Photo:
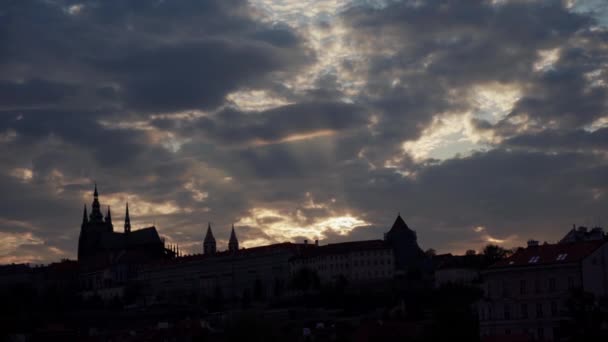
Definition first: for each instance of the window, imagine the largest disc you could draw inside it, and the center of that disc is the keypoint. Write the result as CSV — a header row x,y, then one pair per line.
x,y
522,287
505,288
541,333
507,312
537,286
561,257
551,284
524,311
570,282
534,259
554,309
539,310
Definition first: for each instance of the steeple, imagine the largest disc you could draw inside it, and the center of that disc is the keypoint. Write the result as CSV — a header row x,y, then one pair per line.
x,y
209,246
127,220
85,218
109,216
96,215
233,243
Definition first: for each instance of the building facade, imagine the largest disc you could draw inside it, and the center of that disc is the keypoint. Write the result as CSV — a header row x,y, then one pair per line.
x,y
232,275
357,261
528,292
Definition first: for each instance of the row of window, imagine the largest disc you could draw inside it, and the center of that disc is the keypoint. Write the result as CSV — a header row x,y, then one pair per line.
x,y
538,333
356,263
526,287
524,311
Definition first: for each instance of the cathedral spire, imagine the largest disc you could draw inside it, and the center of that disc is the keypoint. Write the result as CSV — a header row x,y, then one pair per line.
x,y
109,216
96,215
233,243
209,246
85,218
127,220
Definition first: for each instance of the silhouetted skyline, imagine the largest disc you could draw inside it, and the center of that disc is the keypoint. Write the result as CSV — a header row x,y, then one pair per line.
x,y
479,121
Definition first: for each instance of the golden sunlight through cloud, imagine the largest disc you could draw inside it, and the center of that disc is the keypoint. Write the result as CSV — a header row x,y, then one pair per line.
x,y
286,226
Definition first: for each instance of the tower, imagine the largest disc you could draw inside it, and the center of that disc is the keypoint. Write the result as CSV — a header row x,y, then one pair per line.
x,y
93,227
127,220
85,218
209,243
233,243
404,242
108,219
96,216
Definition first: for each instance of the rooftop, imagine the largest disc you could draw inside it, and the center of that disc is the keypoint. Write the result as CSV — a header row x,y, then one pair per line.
x,y
546,254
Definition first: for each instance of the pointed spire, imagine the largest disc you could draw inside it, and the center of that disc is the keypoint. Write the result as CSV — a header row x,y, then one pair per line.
x,y
209,246
233,243
109,216
178,250
96,215
85,218
127,220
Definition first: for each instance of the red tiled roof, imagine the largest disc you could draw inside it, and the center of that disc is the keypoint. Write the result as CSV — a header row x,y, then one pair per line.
x,y
549,254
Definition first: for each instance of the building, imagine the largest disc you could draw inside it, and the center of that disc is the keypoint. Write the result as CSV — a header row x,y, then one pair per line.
x,y
461,270
409,257
232,275
582,234
109,261
356,262
98,238
527,293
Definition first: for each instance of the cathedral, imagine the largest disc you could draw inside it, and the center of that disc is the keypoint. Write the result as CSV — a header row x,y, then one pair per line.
x,y
99,240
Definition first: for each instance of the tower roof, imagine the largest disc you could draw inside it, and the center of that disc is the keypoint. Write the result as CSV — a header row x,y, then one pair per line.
x,y
85,218
127,220
209,236
96,215
233,235
109,216
399,224
400,228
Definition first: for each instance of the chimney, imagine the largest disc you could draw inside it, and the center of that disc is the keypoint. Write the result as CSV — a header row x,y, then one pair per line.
x,y
306,242
316,242
532,243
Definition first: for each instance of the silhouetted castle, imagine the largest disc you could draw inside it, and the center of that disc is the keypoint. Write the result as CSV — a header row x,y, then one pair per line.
x,y
98,238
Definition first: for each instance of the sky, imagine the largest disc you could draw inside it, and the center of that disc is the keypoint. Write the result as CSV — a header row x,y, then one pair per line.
x,y
478,121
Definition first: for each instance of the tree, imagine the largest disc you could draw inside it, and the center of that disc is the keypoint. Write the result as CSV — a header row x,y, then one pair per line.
x,y
493,253
470,252
430,252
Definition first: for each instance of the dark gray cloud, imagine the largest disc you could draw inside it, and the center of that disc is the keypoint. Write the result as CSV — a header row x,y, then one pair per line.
x,y
134,95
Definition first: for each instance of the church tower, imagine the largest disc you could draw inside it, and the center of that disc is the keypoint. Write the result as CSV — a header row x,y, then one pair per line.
x,y
209,243
127,220
93,226
233,244
96,215
109,219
